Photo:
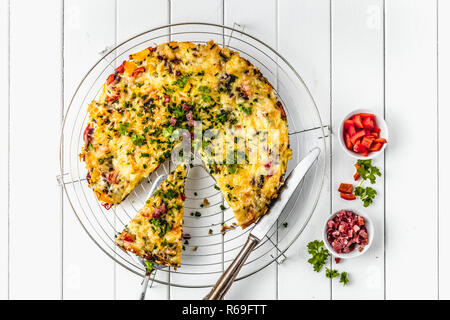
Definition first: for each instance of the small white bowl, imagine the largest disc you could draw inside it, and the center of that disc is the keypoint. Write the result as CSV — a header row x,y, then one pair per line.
x,y
381,123
355,252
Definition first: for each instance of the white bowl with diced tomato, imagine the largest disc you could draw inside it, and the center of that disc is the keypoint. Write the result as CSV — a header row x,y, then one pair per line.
x,y
363,134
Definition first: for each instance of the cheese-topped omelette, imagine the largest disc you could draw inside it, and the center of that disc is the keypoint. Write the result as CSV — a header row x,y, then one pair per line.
x,y
155,233
179,85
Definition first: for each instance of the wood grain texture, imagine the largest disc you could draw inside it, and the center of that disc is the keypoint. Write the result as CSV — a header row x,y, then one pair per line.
x,y
88,272
131,22
411,102
310,56
262,285
357,83
444,152
35,215
4,140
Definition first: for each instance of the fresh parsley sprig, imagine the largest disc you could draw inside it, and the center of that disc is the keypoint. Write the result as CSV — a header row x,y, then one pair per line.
x,y
366,195
319,256
367,171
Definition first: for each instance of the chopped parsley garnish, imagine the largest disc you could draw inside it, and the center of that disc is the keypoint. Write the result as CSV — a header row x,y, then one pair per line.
x,y
344,278
331,273
181,82
138,139
246,110
149,266
123,128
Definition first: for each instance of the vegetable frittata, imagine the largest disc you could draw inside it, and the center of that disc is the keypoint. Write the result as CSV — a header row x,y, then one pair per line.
x,y
155,232
179,85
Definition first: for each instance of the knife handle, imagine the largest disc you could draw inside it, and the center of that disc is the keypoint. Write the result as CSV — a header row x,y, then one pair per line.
x,y
226,280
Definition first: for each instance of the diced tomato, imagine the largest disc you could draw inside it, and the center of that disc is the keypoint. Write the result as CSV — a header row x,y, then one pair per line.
x,y
345,188
376,146
357,121
348,123
151,49
347,196
365,154
110,79
368,123
137,72
121,68
348,142
357,135
367,142
356,176
351,131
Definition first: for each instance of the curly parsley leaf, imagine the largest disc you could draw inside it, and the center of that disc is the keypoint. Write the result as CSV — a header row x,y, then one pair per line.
x,y
366,195
319,254
331,273
367,171
344,278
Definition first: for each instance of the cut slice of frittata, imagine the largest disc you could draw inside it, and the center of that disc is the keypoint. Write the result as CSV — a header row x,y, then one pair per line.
x,y
155,233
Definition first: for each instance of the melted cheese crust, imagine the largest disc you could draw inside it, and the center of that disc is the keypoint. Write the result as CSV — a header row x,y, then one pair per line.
x,y
160,88
155,235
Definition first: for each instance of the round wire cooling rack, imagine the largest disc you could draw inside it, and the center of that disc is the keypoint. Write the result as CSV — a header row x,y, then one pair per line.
x,y
211,238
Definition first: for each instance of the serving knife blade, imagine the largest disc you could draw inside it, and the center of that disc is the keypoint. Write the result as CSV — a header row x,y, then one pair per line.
x,y
266,222
263,225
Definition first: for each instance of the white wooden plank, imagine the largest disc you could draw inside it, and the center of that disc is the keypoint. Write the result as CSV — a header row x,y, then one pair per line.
x,y
132,19
262,285
35,125
4,132
198,11
444,153
309,53
357,83
411,211
89,28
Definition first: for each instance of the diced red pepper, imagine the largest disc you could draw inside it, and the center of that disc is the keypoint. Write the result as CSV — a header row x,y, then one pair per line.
x,y
367,142
351,131
121,68
127,237
367,115
137,72
376,129
359,148
368,123
380,140
348,142
376,147
348,123
357,136
110,79
347,196
345,188
357,121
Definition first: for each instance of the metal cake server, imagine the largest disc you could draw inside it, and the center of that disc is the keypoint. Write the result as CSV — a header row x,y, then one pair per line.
x,y
262,227
156,266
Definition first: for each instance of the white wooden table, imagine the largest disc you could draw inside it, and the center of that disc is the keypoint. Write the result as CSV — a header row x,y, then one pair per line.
x,y
391,56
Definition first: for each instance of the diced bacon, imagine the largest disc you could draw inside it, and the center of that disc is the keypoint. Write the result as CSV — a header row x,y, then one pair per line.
x,y
166,98
346,231
106,205
127,237
173,121
186,107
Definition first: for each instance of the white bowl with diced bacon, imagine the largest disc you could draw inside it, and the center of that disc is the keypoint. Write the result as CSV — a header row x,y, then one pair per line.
x,y
348,234
363,134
